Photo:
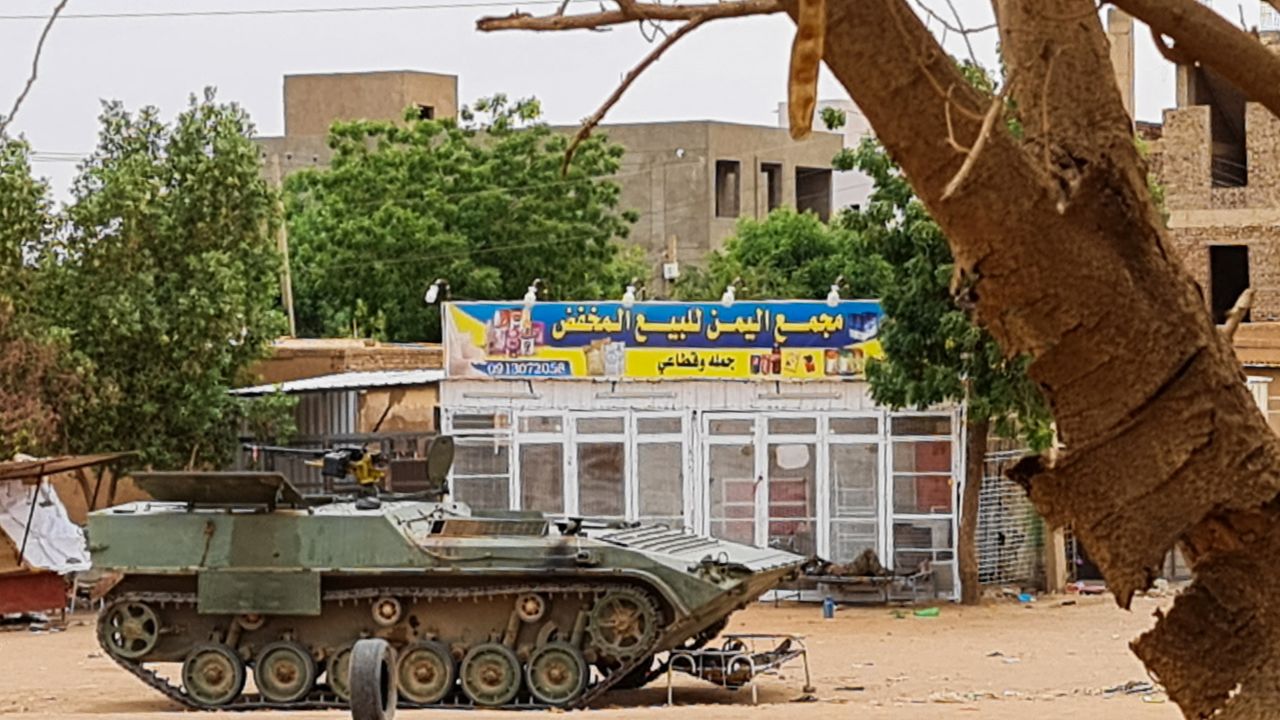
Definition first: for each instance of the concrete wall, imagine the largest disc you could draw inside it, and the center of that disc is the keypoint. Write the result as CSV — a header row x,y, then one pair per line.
x,y
411,409
1201,215
668,176
851,187
314,102
299,359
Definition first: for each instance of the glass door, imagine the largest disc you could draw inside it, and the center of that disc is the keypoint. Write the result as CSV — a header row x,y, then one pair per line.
x,y
923,495
660,457
542,462
733,478
853,468
792,484
600,459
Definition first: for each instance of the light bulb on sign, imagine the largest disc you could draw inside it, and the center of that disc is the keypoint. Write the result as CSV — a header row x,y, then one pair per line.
x,y
629,297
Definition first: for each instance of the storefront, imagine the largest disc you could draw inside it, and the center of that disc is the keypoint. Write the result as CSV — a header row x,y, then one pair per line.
x,y
750,422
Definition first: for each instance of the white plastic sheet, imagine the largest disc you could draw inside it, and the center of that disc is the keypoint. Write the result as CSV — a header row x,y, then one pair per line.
x,y
54,543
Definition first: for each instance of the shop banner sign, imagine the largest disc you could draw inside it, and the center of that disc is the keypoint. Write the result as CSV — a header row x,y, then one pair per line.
x,y
791,340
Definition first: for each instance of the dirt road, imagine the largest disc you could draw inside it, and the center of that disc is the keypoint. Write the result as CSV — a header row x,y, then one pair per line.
x,y
1053,661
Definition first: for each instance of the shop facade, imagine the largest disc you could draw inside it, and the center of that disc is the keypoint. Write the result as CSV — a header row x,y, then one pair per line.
x,y
691,431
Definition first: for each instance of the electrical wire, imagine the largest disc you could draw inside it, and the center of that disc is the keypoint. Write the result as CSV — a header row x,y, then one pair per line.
x,y
417,7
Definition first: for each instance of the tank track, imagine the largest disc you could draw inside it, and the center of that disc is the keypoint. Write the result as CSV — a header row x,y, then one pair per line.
x,y
321,698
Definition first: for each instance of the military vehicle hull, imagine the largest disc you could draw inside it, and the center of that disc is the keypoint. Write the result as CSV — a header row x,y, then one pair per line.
x,y
498,609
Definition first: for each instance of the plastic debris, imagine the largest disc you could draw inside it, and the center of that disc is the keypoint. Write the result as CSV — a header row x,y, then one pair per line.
x,y
928,612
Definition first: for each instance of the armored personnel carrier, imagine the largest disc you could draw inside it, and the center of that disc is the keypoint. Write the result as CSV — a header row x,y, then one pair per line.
x,y
238,575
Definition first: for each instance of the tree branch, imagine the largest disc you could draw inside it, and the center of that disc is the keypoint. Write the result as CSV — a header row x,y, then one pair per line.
x,y
35,67
629,11
1236,314
594,119
1203,35
959,28
988,126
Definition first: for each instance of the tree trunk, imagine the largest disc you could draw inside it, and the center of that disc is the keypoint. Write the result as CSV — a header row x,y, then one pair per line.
x,y
975,456
1064,256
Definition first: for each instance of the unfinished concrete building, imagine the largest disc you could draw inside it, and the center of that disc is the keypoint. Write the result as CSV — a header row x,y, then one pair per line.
x,y
692,181
313,103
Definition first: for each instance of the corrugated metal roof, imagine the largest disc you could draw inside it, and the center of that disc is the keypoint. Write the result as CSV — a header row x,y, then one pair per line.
x,y
348,381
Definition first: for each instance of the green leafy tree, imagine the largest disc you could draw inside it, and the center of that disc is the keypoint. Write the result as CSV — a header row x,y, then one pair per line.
x,y
163,278
786,255
482,204
39,383
934,353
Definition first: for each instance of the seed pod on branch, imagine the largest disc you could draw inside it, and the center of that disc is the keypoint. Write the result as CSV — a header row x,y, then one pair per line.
x,y
806,56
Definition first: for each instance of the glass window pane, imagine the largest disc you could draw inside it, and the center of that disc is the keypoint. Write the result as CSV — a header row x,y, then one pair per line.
x,y
791,480
731,489
541,424
849,538
721,426
855,426
482,493
919,541
921,425
922,494
661,480
480,421
660,425
792,497
921,457
795,536
854,469
601,469
481,456
542,477
601,426
793,426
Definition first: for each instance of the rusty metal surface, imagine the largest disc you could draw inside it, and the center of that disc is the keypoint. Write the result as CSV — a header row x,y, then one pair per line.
x,y
33,469
24,592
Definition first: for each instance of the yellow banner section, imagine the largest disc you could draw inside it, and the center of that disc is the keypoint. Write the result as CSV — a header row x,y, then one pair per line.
x,y
785,364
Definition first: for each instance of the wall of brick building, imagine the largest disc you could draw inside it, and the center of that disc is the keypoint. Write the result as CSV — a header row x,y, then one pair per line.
x,y
1201,216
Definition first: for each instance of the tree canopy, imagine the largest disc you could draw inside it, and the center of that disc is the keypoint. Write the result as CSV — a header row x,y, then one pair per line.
x,y
161,278
482,203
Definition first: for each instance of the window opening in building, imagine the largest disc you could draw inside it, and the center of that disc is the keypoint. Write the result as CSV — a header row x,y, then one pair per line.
x,y
813,191
771,173
1229,156
1228,277
728,187
426,112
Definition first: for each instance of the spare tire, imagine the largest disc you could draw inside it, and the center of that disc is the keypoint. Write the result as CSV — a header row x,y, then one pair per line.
x,y
373,680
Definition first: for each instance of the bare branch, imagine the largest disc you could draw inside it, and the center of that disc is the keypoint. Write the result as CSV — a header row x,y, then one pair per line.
x,y
951,128
35,67
631,10
1206,37
594,119
988,126
1236,314
958,27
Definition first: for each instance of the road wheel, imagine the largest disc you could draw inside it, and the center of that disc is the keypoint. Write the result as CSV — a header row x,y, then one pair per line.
x,y
284,672
557,674
212,675
491,674
337,671
426,673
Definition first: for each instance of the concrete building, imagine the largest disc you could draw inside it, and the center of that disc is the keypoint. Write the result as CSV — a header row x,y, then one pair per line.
x,y
689,181
850,188
312,103
692,181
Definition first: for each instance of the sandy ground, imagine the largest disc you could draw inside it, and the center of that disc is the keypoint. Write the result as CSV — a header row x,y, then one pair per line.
x,y
1054,661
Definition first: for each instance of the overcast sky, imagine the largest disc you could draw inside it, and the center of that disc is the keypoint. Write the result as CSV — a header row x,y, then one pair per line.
x,y
729,70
